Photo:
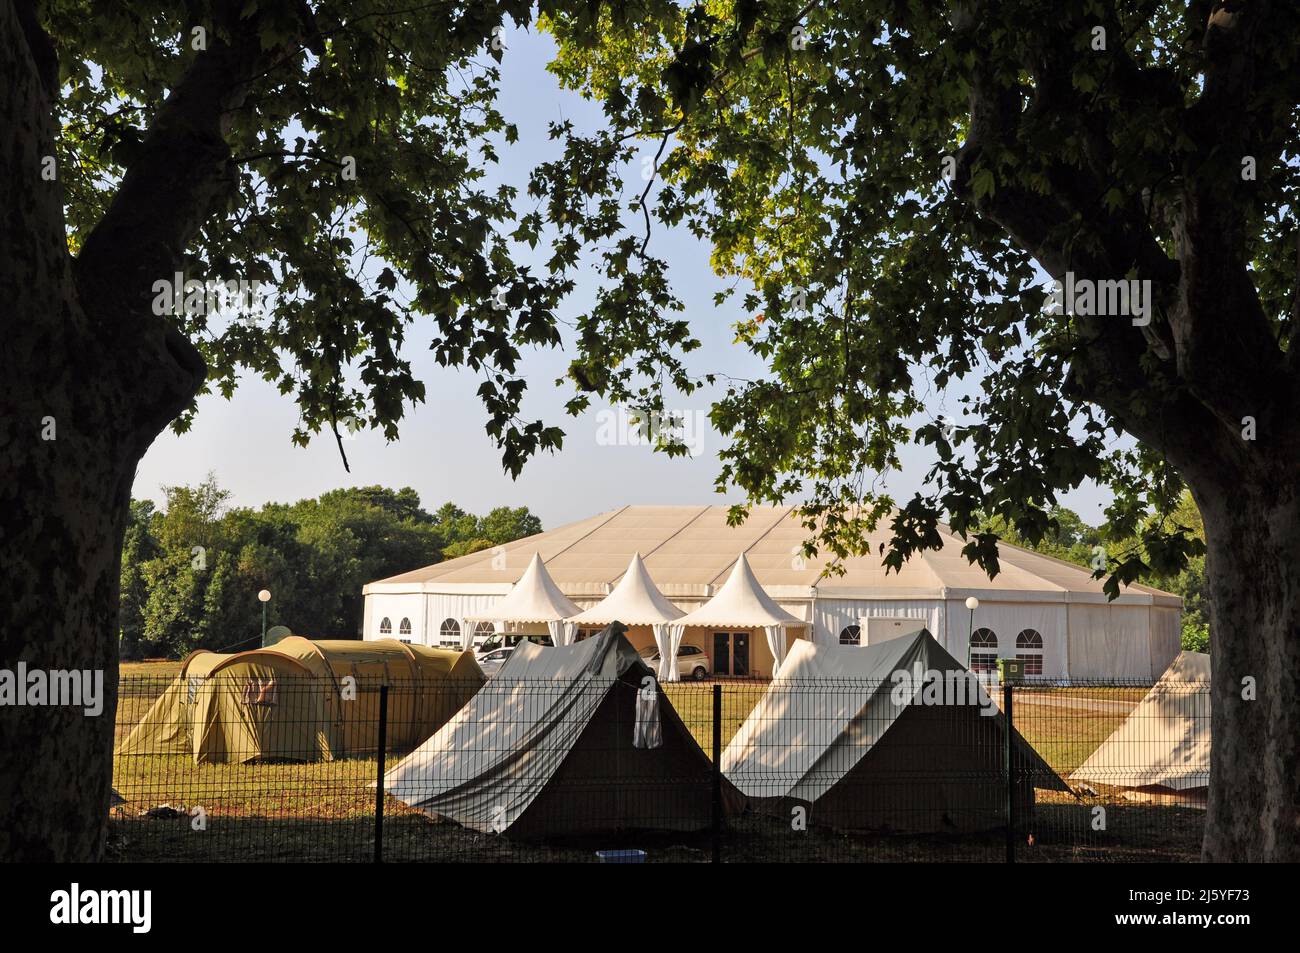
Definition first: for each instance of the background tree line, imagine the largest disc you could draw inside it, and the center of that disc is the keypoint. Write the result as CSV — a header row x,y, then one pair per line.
x,y
192,569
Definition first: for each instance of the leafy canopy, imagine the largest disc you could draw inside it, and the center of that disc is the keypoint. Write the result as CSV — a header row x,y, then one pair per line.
x,y
883,180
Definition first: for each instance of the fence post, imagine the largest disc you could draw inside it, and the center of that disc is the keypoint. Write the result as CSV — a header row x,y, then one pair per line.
x,y
1007,693
379,785
717,773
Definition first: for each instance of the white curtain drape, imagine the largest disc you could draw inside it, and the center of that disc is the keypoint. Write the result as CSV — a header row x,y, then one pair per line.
x,y
467,634
776,643
562,632
668,638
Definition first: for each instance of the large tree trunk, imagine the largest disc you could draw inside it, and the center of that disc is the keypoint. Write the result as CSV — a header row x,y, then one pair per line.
x,y
88,377
72,431
1252,571
61,521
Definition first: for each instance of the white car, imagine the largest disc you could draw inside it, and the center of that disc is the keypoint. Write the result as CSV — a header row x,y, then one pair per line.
x,y
692,662
491,662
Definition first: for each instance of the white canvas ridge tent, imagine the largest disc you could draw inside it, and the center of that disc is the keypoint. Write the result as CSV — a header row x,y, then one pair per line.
x,y
556,745
740,603
636,600
535,598
834,735
1162,749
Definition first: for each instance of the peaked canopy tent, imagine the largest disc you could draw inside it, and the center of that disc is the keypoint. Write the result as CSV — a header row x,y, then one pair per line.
x,y
1161,751
896,736
574,739
304,701
741,603
534,599
637,601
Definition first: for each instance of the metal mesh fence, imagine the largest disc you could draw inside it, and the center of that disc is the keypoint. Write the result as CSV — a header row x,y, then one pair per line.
x,y
275,766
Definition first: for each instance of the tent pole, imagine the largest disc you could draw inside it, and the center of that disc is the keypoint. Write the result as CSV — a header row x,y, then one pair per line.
x,y
379,787
1011,780
717,772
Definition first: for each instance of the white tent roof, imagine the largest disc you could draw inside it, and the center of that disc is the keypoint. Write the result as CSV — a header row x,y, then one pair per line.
x,y
486,766
534,598
689,550
741,602
829,706
636,600
1165,741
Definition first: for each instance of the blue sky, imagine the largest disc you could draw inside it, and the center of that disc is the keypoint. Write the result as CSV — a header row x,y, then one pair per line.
x,y
443,451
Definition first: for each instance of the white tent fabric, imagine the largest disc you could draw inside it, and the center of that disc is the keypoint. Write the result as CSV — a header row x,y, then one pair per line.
x,y
467,633
636,600
534,598
777,644
562,632
668,639
485,766
1109,641
564,740
1165,741
741,603
829,707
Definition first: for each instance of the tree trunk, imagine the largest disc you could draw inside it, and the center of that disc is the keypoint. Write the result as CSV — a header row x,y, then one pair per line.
x,y
89,376
72,431
1252,572
64,511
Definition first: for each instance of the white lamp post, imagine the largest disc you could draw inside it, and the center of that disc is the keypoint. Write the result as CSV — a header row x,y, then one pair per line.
x,y
972,604
264,597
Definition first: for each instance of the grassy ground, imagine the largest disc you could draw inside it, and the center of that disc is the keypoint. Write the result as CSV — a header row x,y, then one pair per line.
x,y
1060,833
324,811
150,668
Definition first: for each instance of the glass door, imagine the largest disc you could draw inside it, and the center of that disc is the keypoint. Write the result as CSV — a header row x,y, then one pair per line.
x,y
740,654
721,653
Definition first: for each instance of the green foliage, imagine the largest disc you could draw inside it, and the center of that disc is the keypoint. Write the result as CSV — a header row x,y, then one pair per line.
x,y
1065,536
191,572
354,191
881,181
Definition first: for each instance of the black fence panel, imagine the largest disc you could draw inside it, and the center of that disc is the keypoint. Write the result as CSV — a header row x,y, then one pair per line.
x,y
285,765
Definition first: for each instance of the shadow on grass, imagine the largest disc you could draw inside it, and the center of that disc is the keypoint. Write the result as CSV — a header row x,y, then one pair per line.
x,y
1060,833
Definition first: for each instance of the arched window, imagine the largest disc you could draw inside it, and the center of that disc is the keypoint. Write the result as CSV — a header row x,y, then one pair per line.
x,y
405,627
483,630
386,626
983,650
851,635
449,633
1029,649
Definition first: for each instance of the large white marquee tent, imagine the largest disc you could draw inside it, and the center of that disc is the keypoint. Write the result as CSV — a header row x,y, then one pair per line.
x,y
1049,612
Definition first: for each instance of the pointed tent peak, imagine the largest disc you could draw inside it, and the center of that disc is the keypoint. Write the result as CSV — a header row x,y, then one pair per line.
x,y
534,598
742,570
636,600
741,602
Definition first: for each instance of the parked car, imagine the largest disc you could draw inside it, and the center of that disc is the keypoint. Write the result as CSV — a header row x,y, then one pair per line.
x,y
692,661
500,640
491,662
